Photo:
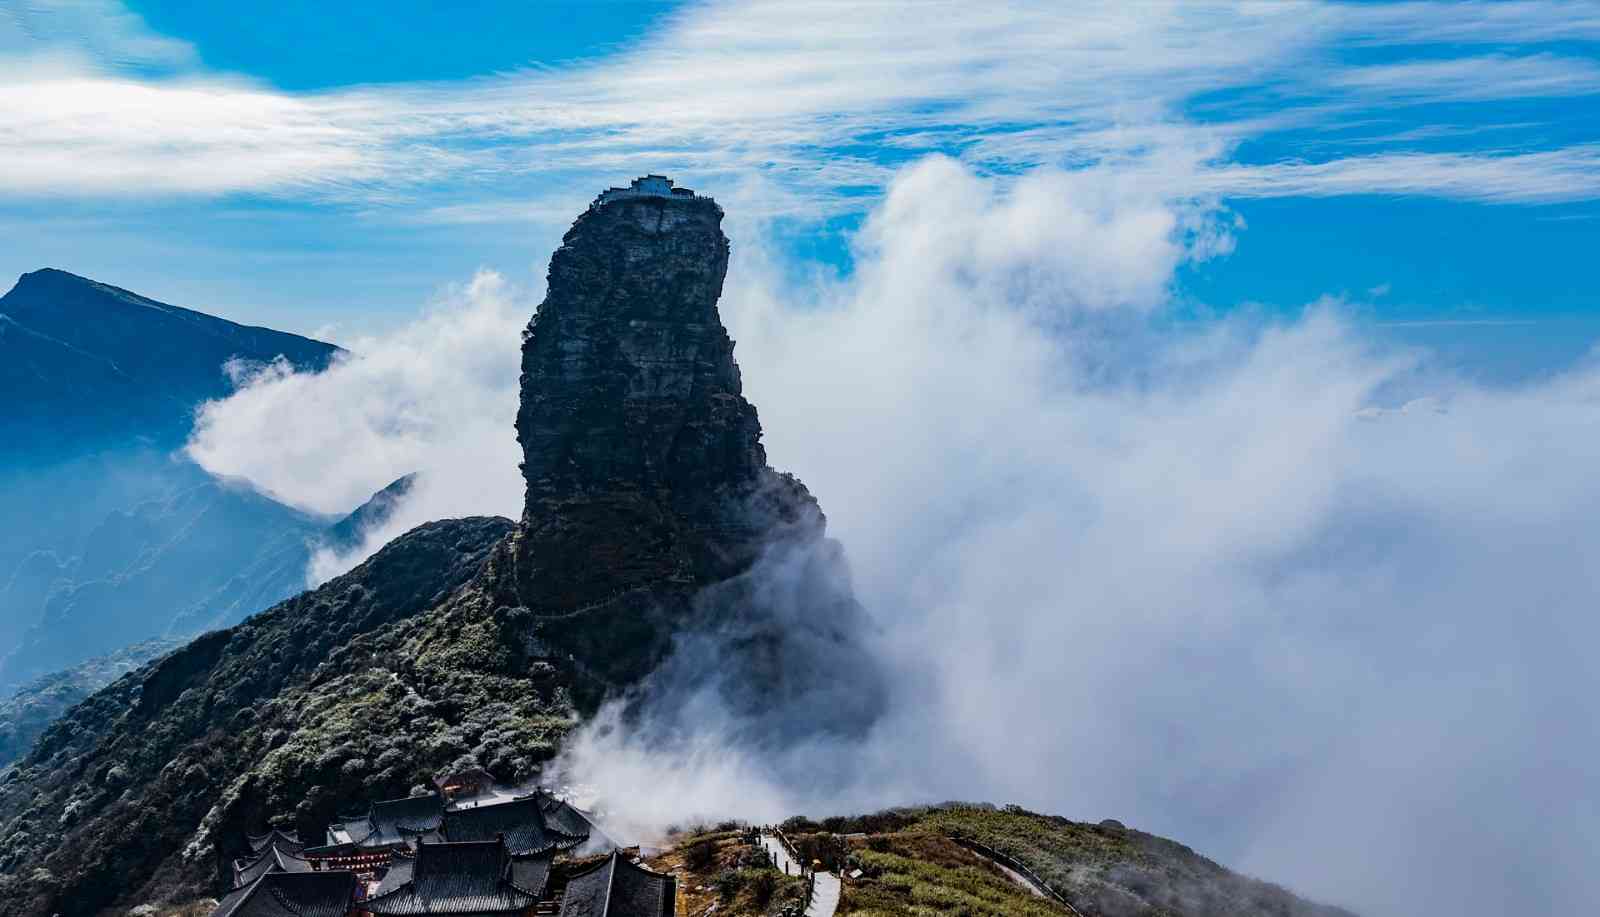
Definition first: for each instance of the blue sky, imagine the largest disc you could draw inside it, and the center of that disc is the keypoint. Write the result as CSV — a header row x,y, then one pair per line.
x,y
1427,163
1328,586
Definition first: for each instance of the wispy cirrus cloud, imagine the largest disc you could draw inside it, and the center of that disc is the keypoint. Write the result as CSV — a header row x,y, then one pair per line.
x,y
1494,76
824,99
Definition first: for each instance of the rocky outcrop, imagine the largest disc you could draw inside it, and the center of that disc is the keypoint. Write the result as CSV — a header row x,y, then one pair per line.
x,y
653,528
646,478
641,454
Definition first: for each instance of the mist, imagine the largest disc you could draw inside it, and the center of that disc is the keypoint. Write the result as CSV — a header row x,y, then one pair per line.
x,y
1267,584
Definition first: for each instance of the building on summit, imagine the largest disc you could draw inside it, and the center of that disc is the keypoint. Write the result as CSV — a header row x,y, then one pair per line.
x,y
643,186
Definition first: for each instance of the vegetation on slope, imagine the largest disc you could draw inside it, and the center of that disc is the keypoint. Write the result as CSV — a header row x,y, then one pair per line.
x,y
358,690
912,861
27,713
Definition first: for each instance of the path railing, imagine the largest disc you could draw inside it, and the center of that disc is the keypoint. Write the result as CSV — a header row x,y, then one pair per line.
x,y
806,873
1017,866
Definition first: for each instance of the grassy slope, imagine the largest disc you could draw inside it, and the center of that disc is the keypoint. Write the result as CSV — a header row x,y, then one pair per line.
x,y
911,865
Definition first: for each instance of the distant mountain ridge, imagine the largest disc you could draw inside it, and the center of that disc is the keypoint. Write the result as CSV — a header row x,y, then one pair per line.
x,y
88,365
108,536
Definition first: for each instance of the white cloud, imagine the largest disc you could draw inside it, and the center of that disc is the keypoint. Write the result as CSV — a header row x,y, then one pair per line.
x,y
797,93
91,33
1569,174
1188,580
1493,76
437,397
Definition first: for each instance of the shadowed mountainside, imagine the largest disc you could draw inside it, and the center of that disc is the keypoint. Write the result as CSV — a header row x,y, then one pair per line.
x,y
91,365
106,537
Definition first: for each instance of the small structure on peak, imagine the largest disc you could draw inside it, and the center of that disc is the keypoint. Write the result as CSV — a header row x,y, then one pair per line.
x,y
645,186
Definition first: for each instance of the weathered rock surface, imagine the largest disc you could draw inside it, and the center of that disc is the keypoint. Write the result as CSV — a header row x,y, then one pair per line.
x,y
651,517
647,481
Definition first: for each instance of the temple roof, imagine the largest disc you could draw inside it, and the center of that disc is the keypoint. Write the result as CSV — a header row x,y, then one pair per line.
x,y
390,822
453,878
291,894
521,822
399,874
283,840
562,817
272,859
617,887
531,872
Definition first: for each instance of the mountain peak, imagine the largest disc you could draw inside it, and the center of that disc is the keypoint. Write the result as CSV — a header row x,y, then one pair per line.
x,y
91,364
633,420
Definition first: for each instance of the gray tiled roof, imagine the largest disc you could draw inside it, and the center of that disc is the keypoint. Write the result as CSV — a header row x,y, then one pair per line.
x,y
521,822
455,878
619,888
271,859
399,874
392,822
531,873
291,894
280,839
562,817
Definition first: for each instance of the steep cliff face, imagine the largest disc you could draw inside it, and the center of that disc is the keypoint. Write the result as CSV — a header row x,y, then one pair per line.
x,y
646,476
651,517
640,452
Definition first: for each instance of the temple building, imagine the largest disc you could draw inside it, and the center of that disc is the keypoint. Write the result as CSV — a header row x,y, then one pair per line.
x,y
464,783
617,887
291,894
390,823
563,817
270,860
280,840
520,823
644,186
478,878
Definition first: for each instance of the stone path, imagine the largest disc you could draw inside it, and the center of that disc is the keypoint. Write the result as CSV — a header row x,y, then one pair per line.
x,y
825,899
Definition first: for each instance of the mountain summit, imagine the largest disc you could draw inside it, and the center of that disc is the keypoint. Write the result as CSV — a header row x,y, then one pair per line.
x,y
646,478
89,364
632,416
657,555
